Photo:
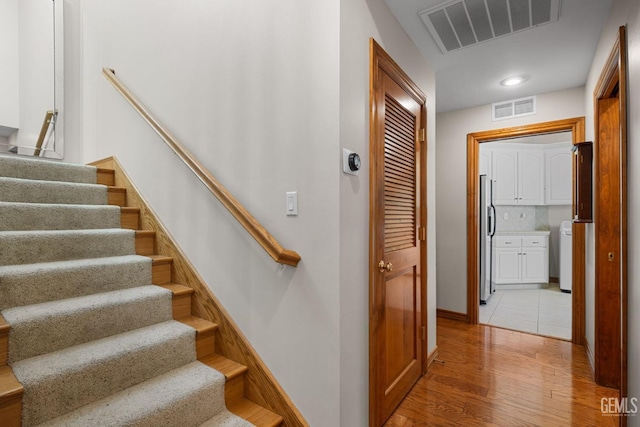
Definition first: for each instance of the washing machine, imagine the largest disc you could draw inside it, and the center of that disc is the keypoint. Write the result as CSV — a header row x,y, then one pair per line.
x,y
566,257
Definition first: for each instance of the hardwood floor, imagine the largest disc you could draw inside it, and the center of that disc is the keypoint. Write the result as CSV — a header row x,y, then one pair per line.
x,y
492,376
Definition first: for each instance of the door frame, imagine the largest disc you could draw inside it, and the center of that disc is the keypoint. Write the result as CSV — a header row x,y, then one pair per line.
x,y
577,127
380,60
614,77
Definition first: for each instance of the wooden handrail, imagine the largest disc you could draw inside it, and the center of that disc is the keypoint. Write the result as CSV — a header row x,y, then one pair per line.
x,y
257,231
48,119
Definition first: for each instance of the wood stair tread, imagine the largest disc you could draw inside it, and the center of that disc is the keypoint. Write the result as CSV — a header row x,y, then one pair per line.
x,y
176,288
227,367
199,324
160,259
255,413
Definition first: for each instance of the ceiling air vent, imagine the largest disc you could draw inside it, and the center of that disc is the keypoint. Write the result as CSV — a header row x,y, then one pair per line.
x,y
514,108
462,23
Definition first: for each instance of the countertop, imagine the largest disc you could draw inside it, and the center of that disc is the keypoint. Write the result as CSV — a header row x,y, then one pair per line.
x,y
523,233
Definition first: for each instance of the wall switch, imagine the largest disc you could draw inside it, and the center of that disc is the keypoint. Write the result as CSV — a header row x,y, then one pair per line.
x,y
292,203
506,215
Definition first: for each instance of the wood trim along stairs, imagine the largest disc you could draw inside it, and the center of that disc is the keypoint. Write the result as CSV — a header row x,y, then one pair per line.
x,y
250,386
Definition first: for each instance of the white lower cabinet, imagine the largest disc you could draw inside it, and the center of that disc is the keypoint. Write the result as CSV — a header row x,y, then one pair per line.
x,y
521,259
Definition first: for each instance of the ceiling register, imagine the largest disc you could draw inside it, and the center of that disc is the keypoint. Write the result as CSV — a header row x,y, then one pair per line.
x,y
462,23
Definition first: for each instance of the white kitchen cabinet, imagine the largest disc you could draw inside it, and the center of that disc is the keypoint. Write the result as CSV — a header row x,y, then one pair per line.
x,y
485,162
507,266
521,259
504,164
519,176
558,175
535,265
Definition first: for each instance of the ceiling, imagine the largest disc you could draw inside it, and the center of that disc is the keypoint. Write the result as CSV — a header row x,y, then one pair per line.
x,y
554,56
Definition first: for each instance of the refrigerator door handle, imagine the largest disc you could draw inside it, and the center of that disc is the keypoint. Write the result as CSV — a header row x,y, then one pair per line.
x,y
492,217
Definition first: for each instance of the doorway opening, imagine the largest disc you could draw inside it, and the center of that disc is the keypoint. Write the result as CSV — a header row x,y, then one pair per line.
x,y
575,127
525,215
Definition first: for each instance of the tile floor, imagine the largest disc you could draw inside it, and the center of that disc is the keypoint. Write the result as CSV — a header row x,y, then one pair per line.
x,y
540,311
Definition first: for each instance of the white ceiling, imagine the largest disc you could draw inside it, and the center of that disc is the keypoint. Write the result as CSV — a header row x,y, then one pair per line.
x,y
554,56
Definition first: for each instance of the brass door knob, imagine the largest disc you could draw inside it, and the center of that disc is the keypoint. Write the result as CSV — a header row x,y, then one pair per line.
x,y
382,266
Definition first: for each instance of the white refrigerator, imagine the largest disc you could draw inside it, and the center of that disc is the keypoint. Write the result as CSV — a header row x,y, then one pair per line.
x,y
487,216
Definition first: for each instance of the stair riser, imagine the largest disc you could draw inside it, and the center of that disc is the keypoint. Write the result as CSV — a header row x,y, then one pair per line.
x,y
27,248
33,216
24,285
130,219
181,306
234,389
145,242
161,272
83,320
205,344
11,412
106,370
4,349
116,196
105,177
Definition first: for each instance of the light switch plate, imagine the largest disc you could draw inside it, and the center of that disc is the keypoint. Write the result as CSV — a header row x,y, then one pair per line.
x,y
292,203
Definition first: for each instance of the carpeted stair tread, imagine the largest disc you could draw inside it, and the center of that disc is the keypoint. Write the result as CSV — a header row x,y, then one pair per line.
x,y
19,216
27,284
32,191
253,413
184,397
26,247
46,170
59,382
51,326
226,419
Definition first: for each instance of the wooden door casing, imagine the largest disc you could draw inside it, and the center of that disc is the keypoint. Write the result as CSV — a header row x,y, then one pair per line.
x,y
397,321
610,220
607,242
577,128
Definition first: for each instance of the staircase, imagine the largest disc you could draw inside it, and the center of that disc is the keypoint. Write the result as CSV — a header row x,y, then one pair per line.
x,y
93,330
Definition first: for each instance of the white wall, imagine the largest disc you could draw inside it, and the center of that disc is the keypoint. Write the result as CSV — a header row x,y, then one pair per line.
x,y
623,12
252,89
451,182
360,20
9,104
266,96
36,80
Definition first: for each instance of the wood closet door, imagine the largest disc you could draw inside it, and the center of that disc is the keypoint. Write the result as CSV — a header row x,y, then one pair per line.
x,y
396,322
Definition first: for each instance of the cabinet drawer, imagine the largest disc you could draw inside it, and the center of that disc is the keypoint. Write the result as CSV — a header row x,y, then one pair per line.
x,y
535,241
508,241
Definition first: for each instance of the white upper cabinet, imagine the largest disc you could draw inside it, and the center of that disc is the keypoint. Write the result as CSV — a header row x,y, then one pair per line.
x,y
530,177
485,162
558,175
519,176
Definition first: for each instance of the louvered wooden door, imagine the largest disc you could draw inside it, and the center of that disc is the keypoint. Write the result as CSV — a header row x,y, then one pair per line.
x,y
396,321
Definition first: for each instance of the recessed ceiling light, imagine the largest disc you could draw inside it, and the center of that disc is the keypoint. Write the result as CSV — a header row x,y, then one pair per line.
x,y
513,81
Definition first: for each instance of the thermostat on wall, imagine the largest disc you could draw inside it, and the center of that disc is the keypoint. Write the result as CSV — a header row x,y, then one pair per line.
x,y
351,162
